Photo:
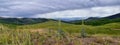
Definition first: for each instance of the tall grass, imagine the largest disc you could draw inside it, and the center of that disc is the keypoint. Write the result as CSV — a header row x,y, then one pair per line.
x,y
67,35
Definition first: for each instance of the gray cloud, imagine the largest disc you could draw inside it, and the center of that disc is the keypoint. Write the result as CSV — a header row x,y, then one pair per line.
x,y
89,12
29,8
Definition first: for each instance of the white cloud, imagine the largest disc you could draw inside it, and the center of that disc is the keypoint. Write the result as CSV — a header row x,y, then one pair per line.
x,y
88,12
6,16
29,8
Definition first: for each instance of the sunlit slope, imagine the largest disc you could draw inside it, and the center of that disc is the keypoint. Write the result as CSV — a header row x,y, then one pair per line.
x,y
111,28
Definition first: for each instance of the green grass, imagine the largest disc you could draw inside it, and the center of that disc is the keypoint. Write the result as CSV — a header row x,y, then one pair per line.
x,y
22,35
111,29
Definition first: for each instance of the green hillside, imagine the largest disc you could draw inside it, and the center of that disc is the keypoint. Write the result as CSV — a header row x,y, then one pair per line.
x,y
111,28
46,33
99,21
96,22
22,21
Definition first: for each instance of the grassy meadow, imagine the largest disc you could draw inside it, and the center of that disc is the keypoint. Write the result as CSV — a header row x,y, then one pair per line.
x,y
49,33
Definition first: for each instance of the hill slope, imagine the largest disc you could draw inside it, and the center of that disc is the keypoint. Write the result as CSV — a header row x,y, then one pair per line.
x,y
22,21
99,21
111,28
113,16
90,21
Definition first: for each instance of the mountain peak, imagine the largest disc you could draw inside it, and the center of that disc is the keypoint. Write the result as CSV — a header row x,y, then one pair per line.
x,y
114,16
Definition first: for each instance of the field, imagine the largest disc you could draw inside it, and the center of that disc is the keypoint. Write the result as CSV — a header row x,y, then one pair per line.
x,y
49,33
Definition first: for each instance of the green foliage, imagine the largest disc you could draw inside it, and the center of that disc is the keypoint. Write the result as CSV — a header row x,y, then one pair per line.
x,y
96,22
22,21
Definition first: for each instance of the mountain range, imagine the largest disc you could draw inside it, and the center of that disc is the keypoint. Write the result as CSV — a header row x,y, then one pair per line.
x,y
88,21
22,21
98,20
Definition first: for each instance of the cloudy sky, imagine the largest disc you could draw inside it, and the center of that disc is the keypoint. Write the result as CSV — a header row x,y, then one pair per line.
x,y
58,8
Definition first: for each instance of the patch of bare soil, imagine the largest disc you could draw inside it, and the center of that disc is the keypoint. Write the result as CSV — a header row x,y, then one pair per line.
x,y
39,30
93,40
100,41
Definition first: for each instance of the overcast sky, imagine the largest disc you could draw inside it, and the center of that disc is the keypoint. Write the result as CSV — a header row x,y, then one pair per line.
x,y
58,8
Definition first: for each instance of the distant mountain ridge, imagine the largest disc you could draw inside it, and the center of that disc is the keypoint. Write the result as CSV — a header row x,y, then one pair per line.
x,y
89,21
113,16
22,21
71,19
99,21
